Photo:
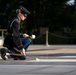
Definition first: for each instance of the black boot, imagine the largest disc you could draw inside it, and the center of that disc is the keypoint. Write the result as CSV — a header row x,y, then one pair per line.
x,y
3,53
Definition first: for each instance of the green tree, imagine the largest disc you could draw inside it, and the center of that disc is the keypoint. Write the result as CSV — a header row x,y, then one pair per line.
x,y
55,14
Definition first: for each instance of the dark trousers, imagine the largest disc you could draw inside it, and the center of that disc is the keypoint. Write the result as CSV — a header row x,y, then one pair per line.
x,y
26,42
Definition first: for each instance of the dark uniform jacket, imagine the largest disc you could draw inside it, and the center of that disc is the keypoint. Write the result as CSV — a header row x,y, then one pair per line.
x,y
12,38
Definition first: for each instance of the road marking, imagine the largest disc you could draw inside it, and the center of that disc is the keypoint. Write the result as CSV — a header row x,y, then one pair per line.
x,y
55,60
66,57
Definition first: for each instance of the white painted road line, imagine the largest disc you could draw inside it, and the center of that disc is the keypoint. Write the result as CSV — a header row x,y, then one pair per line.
x,y
66,57
55,60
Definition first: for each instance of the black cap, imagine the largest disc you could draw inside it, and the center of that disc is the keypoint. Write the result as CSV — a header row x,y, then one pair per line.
x,y
24,10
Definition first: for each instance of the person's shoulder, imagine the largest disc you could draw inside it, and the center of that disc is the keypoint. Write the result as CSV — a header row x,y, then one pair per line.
x,y
12,19
15,19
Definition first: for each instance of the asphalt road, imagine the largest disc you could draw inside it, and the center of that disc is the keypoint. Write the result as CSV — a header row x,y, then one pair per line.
x,y
38,67
42,60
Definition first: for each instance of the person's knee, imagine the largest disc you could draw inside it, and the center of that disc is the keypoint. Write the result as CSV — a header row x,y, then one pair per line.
x,y
29,40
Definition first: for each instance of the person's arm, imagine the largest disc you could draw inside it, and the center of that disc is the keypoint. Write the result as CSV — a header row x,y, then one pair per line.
x,y
21,52
25,35
16,35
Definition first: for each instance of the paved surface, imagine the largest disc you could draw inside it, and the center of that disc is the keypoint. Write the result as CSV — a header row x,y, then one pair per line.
x,y
38,70
51,51
43,60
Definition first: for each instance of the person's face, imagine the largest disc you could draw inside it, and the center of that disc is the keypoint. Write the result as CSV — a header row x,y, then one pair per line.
x,y
22,17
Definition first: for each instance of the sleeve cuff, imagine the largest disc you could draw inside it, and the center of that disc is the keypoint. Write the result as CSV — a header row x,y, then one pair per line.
x,y
20,47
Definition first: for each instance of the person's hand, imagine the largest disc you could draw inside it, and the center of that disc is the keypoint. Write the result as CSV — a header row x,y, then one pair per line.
x,y
23,52
25,35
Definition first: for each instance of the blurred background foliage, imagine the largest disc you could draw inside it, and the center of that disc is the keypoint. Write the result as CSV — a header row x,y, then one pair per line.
x,y
58,15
